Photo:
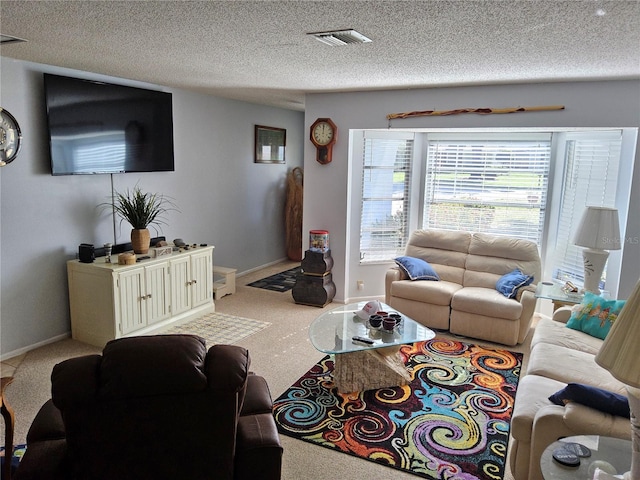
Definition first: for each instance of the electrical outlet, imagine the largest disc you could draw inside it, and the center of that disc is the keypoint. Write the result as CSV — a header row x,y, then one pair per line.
x,y
360,284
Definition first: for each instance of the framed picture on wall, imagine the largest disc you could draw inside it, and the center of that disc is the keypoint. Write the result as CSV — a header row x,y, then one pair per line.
x,y
270,144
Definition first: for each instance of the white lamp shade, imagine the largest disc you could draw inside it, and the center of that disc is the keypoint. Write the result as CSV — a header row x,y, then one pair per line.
x,y
599,228
619,353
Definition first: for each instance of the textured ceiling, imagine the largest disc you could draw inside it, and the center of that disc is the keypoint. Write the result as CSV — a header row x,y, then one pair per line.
x,y
258,51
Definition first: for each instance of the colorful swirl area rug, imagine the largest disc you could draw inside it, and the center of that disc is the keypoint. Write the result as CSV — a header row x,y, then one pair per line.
x,y
450,422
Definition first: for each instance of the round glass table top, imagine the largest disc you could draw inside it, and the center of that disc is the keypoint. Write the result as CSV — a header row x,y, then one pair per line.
x,y
606,452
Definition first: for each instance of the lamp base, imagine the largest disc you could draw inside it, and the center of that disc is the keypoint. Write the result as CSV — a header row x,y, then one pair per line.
x,y
633,394
594,261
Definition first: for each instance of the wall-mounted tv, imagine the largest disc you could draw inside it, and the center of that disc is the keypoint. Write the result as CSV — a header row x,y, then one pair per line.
x,y
96,127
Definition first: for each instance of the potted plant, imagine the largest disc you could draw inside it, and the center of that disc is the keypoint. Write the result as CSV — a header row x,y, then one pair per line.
x,y
141,210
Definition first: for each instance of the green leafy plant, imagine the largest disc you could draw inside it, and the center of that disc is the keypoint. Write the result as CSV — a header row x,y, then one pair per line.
x,y
142,209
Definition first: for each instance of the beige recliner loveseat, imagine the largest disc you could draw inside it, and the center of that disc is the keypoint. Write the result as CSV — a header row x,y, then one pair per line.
x,y
465,300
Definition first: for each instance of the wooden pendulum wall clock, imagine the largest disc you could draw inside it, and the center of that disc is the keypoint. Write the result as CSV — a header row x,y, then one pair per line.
x,y
323,135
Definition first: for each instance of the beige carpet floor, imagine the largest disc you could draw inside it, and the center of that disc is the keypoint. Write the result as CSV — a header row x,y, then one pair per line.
x,y
281,353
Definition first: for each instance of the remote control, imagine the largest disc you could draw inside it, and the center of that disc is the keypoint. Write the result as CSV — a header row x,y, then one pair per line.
x,y
366,341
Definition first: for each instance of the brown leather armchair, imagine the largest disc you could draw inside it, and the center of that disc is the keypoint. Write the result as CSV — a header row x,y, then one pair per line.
x,y
155,407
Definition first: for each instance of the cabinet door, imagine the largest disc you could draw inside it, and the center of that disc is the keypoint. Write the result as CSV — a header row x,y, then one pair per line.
x,y
132,303
158,292
180,284
201,277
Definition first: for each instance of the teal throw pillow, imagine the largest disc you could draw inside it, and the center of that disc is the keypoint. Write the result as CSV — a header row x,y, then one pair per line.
x,y
509,283
595,315
596,398
416,268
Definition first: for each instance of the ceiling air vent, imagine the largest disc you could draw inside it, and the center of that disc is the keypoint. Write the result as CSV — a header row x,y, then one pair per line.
x,y
338,38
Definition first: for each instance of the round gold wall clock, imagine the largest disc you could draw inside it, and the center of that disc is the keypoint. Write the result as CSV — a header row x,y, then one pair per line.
x,y
10,137
323,135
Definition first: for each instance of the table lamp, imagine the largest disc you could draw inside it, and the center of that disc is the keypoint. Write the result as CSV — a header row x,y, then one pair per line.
x,y
598,232
619,355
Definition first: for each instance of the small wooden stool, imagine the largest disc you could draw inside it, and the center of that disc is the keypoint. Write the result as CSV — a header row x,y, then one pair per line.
x,y
225,286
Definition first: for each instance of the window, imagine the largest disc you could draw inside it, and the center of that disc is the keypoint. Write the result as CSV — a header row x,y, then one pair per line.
x,y
489,186
386,195
590,177
517,182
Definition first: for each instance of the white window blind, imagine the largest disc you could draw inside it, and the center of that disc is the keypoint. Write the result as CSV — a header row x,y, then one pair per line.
x,y
490,186
590,178
386,194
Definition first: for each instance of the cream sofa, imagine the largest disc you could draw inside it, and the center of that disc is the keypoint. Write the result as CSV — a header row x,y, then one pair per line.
x,y
559,355
465,300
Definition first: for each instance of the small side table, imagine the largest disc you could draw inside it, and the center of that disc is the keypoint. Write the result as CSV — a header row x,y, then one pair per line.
x,y
553,291
615,451
225,286
314,286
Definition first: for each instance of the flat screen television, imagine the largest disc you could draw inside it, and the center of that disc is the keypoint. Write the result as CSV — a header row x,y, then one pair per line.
x,y
96,127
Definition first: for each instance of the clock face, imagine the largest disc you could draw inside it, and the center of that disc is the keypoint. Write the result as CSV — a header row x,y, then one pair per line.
x,y
10,137
323,133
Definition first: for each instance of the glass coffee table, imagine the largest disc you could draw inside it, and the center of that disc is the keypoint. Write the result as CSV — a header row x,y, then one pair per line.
x,y
560,298
364,366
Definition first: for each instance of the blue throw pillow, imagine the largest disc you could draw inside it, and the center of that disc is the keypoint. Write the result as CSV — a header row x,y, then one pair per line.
x,y
595,315
416,268
509,283
593,397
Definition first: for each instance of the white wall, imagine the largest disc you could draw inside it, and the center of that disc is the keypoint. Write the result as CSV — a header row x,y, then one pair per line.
x,y
326,203
230,202
225,199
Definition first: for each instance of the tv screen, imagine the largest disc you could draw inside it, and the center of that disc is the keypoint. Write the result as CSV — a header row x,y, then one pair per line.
x,y
97,127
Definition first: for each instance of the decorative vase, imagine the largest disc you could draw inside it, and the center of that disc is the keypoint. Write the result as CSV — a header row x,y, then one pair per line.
x,y
140,240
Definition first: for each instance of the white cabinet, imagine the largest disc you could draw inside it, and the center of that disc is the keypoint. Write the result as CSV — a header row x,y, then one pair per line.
x,y
110,301
145,296
202,273
131,298
192,279
158,293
